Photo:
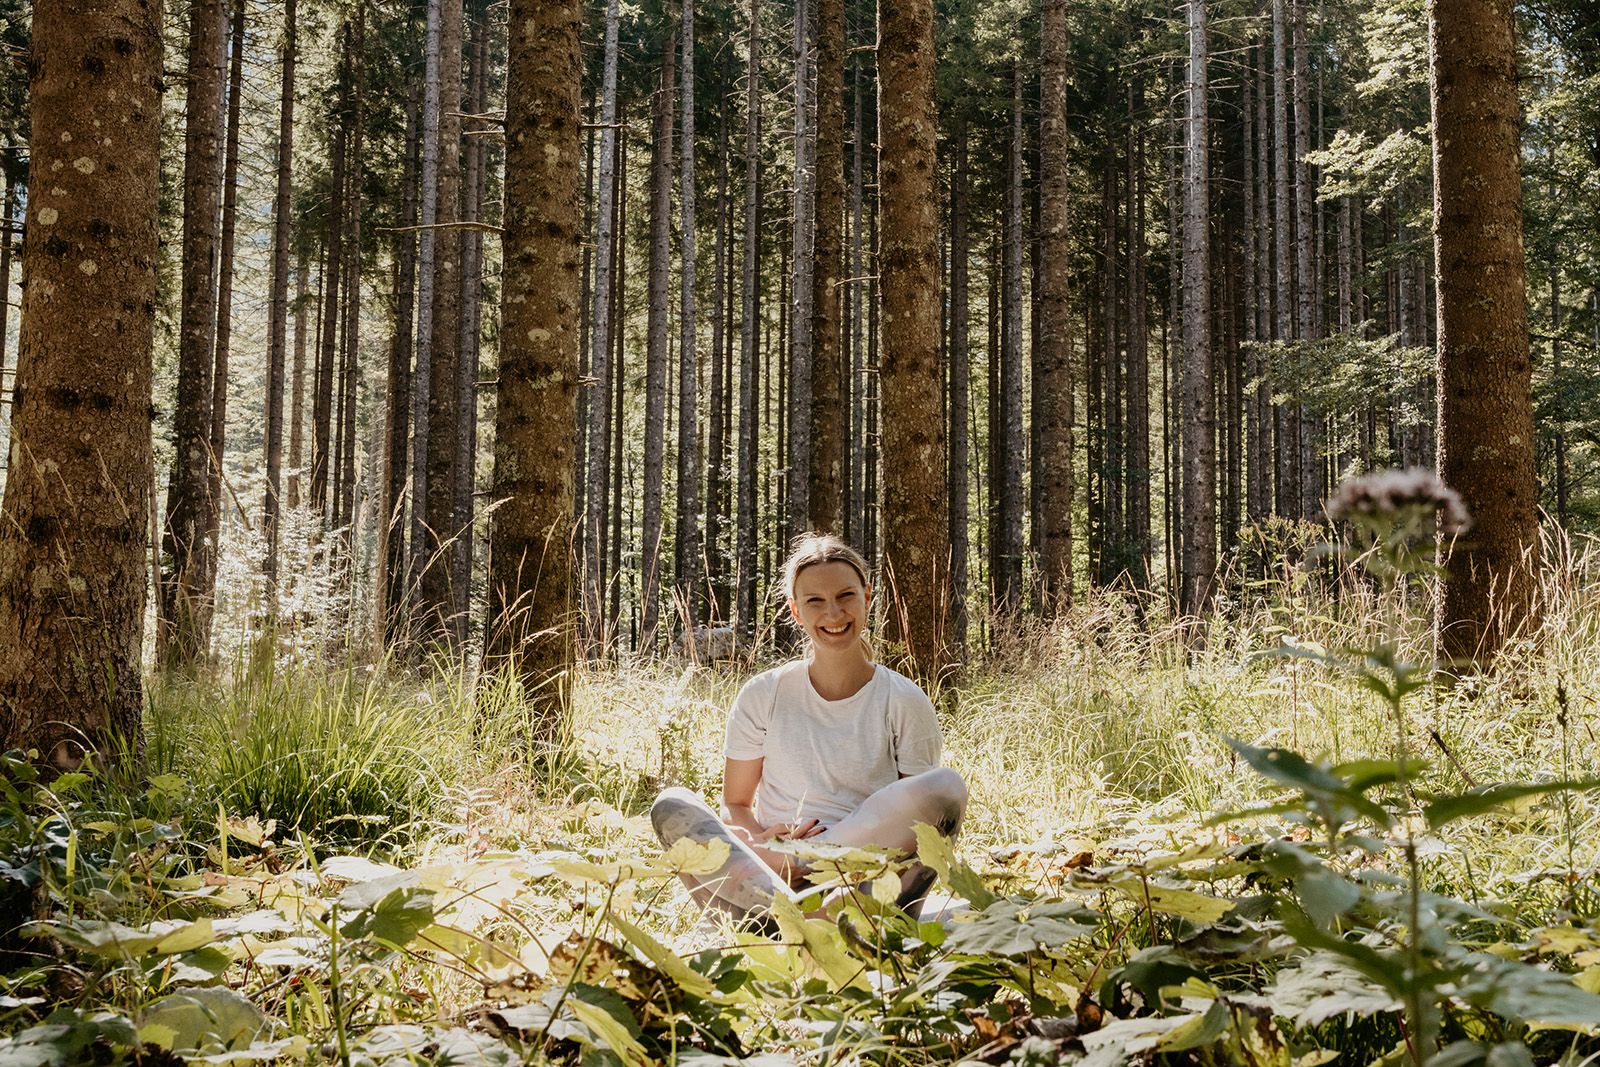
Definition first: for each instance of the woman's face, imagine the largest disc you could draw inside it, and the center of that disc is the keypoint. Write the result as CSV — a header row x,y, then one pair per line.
x,y
831,604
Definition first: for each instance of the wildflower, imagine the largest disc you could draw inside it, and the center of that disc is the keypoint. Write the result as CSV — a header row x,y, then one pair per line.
x,y
1387,498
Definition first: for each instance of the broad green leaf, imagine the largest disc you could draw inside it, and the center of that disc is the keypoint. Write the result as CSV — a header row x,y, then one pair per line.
x,y
458,1047
1325,894
1516,990
609,1017
934,849
396,919
1487,797
1322,986
195,935
201,965
110,940
1007,928
1185,903
207,1020
667,961
1197,1030
820,942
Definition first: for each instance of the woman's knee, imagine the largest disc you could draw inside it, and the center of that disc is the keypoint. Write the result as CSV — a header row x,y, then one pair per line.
x,y
946,791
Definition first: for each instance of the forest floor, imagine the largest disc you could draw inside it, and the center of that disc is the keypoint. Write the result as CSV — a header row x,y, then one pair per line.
x,y
350,866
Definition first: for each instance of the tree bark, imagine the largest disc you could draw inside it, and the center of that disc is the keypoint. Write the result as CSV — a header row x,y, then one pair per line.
x,y
297,399
471,322
600,394
1490,593
721,378
915,539
1008,586
1288,425
656,354
825,496
687,538
332,277
531,626
1305,248
960,330
277,319
76,512
355,176
745,538
802,263
422,539
1199,418
183,587
392,530
1054,345
1138,424
219,374
438,599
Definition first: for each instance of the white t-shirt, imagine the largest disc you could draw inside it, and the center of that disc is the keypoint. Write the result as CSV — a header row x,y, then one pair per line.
x,y
824,757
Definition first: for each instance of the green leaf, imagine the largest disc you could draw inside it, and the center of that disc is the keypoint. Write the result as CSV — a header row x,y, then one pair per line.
x,y
821,943
1486,797
1323,986
1199,1030
201,965
1009,928
935,849
1171,900
667,961
204,1020
607,1014
396,919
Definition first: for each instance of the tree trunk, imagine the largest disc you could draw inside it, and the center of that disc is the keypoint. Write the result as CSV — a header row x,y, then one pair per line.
x,y
1008,586
332,276
279,315
915,543
1054,345
422,539
600,394
1138,425
960,329
75,519
857,520
392,531
687,539
1199,419
531,626
8,226
825,496
471,321
1288,426
656,353
219,375
184,609
297,397
721,373
1490,591
745,539
352,309
1305,246
444,401
798,425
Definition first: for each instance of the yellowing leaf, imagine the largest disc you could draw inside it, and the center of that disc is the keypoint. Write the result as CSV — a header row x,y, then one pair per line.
x,y
693,857
192,936
821,944
1565,939
1184,903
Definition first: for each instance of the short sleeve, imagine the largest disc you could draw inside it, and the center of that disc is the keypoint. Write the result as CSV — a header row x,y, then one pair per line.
x,y
916,728
747,722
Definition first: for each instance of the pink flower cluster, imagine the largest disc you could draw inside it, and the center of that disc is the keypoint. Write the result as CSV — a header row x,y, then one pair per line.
x,y
1384,495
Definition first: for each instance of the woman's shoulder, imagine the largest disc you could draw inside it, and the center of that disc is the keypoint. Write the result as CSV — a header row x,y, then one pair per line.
x,y
769,680
899,687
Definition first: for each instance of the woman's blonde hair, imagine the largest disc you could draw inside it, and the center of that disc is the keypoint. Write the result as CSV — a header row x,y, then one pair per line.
x,y
810,549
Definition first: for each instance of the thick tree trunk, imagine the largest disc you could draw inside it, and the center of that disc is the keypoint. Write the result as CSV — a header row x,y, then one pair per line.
x,y
745,537
1054,345
915,542
656,353
531,626
600,393
219,374
8,226
1490,594
73,548
1008,556
1263,458
183,587
278,319
687,538
1199,418
422,539
721,373
444,401
857,519
352,308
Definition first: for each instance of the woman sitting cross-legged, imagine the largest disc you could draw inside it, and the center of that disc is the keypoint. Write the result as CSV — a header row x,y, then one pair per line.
x,y
833,747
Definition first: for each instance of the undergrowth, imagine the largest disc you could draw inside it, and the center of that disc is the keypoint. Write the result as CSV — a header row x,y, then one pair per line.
x,y
1273,846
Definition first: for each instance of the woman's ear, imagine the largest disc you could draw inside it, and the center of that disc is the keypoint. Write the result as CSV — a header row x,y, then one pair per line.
x,y
793,609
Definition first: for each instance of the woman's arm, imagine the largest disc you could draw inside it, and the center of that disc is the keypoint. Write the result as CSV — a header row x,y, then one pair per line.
x,y
739,780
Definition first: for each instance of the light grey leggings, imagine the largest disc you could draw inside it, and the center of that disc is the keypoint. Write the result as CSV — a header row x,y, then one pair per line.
x,y
745,885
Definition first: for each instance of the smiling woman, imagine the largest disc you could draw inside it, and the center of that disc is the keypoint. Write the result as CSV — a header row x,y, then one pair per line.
x,y
832,746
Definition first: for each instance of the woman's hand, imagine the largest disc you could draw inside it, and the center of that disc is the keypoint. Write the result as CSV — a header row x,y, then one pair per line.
x,y
791,831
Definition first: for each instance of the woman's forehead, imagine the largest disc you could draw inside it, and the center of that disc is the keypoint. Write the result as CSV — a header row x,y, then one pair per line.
x,y
834,574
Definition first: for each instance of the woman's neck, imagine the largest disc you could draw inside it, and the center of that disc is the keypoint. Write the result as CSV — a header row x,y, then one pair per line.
x,y
838,675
